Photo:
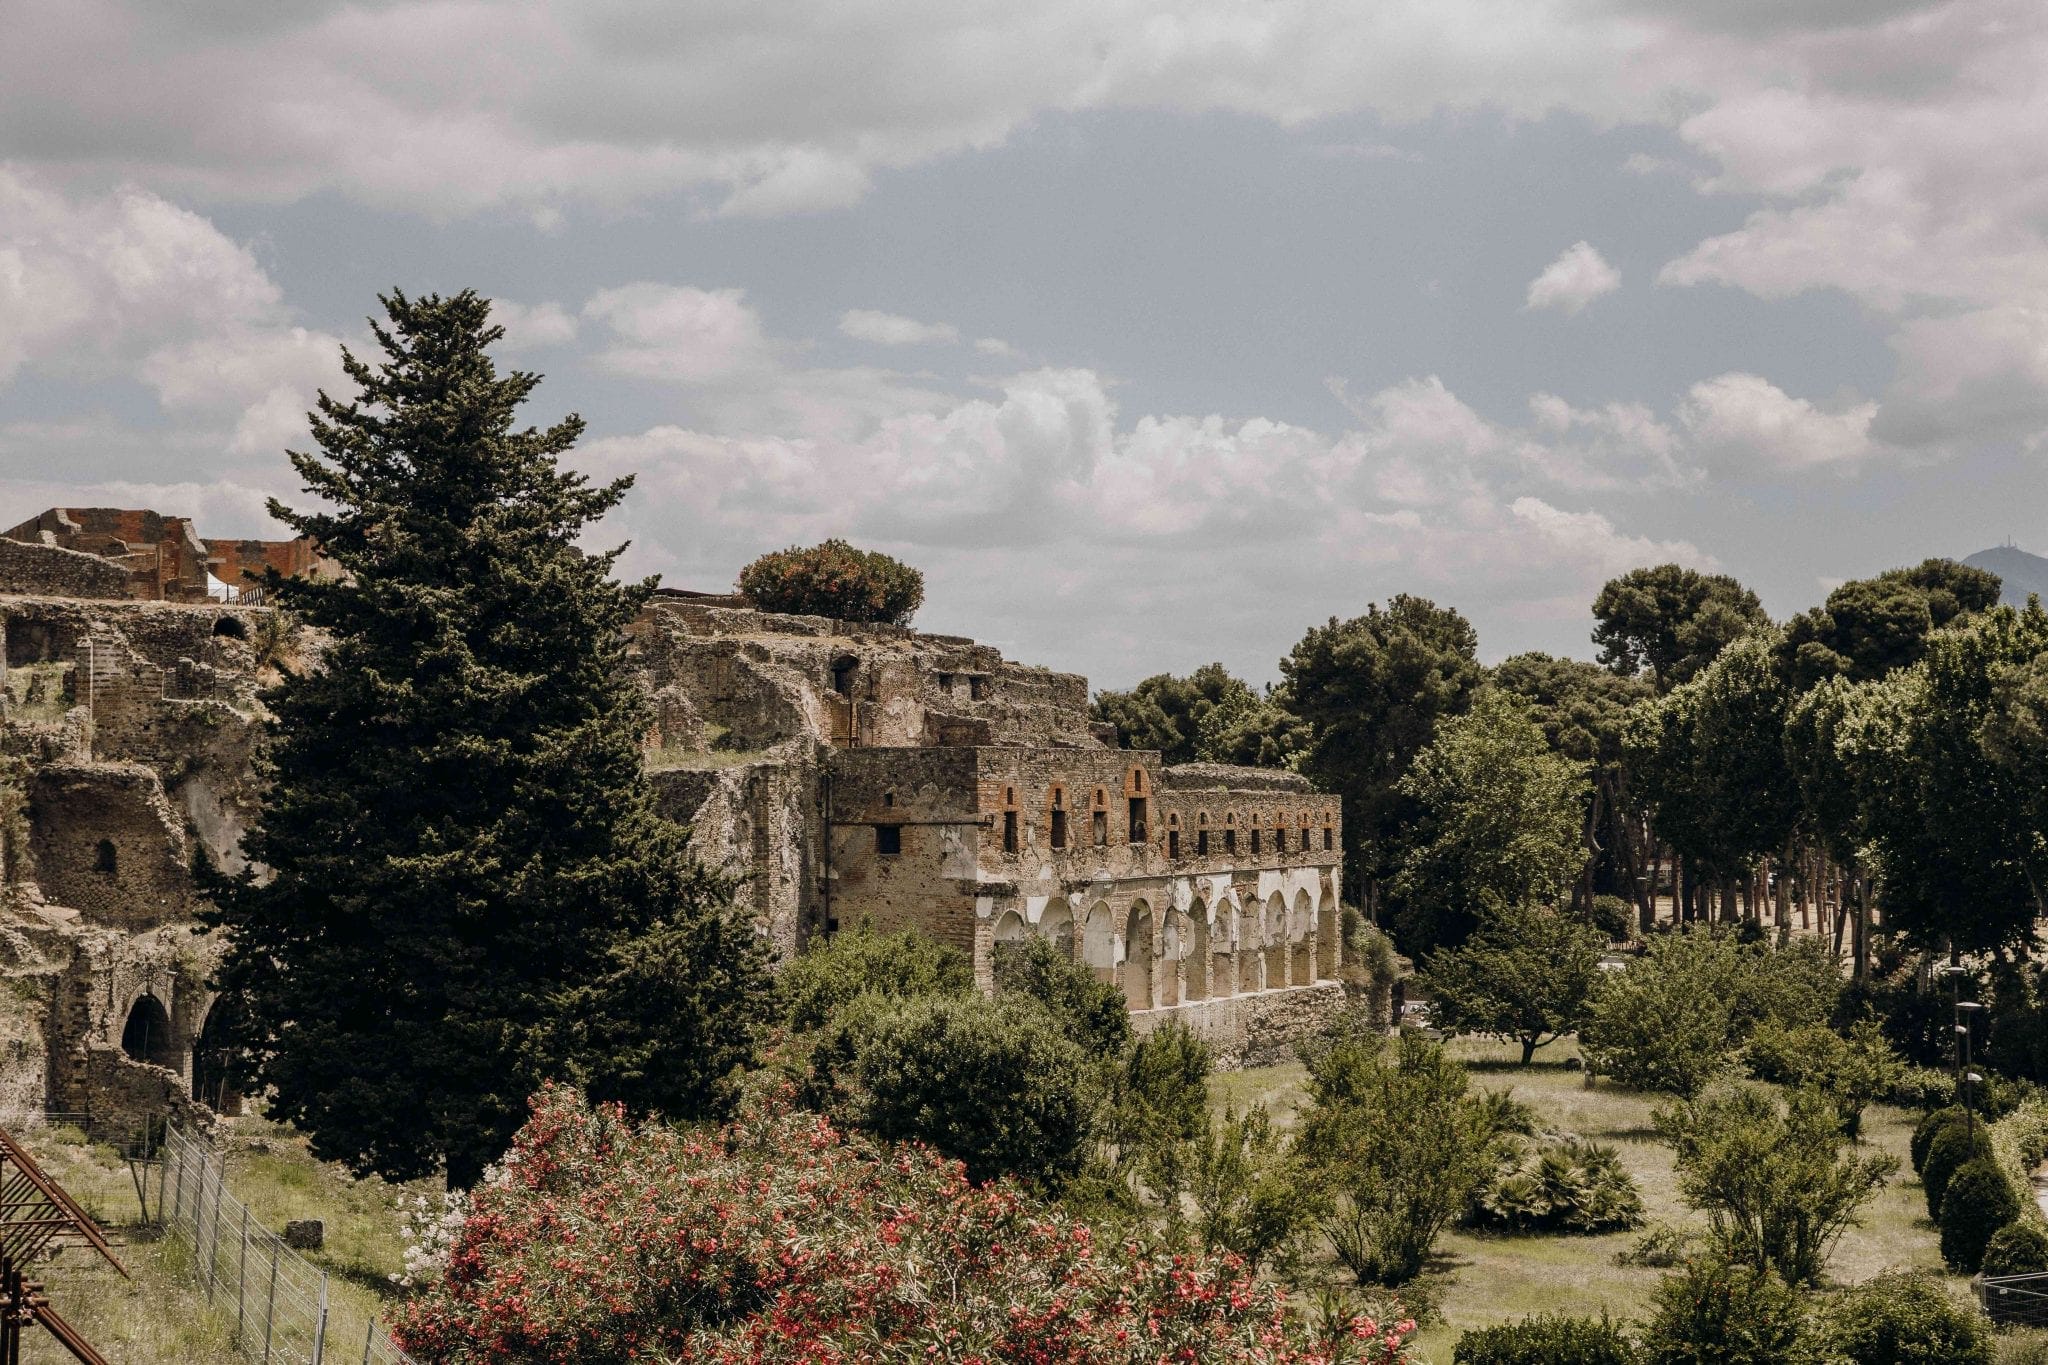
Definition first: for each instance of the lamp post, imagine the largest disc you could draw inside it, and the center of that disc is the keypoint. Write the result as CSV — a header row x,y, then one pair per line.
x,y
1960,1034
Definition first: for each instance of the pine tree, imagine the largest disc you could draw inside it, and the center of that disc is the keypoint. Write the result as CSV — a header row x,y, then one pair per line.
x,y
467,890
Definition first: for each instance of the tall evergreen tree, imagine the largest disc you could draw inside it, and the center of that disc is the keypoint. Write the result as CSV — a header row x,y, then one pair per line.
x,y
466,889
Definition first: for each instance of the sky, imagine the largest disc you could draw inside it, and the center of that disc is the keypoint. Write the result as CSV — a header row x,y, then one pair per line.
x,y
1153,333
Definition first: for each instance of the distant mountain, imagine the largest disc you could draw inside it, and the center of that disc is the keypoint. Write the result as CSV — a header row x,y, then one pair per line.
x,y
2021,572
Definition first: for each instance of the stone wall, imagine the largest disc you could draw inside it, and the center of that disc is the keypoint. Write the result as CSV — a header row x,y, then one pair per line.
x,y
106,842
1254,1030
49,571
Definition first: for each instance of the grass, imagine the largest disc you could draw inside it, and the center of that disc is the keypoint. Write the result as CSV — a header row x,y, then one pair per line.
x,y
1482,1278
161,1316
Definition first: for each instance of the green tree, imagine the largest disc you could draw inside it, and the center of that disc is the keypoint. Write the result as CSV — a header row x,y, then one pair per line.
x,y
1254,732
1908,1318
1397,1145
1869,627
1167,713
1528,974
834,579
469,891
1499,822
1771,1175
1715,1311
1671,622
1371,690
1092,1012
830,975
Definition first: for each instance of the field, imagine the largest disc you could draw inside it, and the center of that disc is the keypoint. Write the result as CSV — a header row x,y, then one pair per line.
x,y
159,1316
1483,1278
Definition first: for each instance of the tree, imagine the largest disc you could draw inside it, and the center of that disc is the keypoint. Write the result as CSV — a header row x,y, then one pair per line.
x,y
1771,1176
1714,1311
1398,1146
1371,690
1527,974
1671,622
834,579
830,975
1499,822
1167,713
468,889
1091,1011
1908,1318
1873,626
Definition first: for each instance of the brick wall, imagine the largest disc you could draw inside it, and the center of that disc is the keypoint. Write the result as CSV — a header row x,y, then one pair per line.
x,y
48,571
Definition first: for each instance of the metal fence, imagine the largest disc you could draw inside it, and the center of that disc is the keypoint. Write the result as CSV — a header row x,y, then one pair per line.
x,y
283,1312
2014,1300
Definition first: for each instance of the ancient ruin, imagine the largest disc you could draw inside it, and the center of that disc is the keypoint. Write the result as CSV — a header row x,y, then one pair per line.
x,y
841,773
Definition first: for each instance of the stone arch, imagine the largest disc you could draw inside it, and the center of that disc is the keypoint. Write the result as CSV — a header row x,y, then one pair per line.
x,y
1056,922
1173,947
1010,928
1329,927
1098,942
1275,925
1139,929
146,1036
211,1058
1195,954
1301,940
1250,951
231,627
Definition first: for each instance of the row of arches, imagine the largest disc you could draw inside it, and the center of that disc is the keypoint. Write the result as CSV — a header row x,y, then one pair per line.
x,y
148,1035
1202,953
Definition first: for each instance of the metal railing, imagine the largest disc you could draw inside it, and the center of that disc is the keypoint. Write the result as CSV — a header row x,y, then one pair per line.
x,y
282,1310
2014,1300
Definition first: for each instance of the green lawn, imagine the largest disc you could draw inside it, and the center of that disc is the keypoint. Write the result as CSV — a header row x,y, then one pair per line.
x,y
1484,1278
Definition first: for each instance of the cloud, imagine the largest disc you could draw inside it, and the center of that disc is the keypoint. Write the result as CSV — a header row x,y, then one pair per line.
x,y
677,333
1573,280
534,326
1746,421
889,329
997,347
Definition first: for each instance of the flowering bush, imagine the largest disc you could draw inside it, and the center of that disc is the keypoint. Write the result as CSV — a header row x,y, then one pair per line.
x,y
780,1239
428,1228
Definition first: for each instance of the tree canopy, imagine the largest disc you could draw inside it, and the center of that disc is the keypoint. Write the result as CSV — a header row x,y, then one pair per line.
x,y
1870,626
468,891
1671,622
834,579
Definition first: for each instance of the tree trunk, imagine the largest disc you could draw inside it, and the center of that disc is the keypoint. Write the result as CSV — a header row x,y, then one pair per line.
x,y
1528,1050
1785,894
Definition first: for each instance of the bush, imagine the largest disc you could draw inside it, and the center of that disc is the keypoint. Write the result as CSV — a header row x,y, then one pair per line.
x,y
1921,1087
2018,1248
995,1084
1716,1311
1951,1146
1978,1202
1095,1011
779,1239
836,580
860,962
1659,1248
1247,1194
1614,917
1908,1319
1570,1184
1551,1339
1852,1070
1924,1133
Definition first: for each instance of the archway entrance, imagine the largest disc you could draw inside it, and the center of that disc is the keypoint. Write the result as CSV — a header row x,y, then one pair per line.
x,y
146,1036
211,1056
1138,956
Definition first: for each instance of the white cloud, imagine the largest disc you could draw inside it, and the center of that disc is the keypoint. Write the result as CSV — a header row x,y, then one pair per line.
x,y
997,347
534,326
1577,277
890,329
679,334
1745,420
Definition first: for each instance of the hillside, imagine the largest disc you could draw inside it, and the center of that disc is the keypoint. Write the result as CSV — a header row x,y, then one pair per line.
x,y
2022,573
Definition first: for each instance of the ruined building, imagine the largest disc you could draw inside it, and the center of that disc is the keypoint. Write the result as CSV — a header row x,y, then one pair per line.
x,y
839,772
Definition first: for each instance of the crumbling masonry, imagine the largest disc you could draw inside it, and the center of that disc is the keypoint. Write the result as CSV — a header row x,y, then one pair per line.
x,y
840,773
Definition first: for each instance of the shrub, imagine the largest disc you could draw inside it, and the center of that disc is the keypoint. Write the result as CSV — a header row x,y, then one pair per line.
x,y
1716,1311
1924,1133
994,1084
1659,1248
860,962
1852,1070
1094,1010
1907,1319
1668,1021
1612,916
1978,1202
1951,1146
1920,1087
1247,1194
1570,1184
1773,1178
780,1239
2018,1248
1550,1339
836,580
1396,1147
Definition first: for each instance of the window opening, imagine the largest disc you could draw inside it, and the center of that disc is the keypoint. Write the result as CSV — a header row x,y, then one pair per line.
x,y
1230,841
1201,843
1009,831
104,857
842,675
1101,828
888,840
1173,843
1137,819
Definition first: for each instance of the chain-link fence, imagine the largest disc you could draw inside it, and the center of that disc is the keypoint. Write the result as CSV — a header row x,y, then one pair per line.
x,y
282,1310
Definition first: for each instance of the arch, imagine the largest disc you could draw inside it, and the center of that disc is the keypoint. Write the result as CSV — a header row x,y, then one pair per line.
x,y
1010,928
1301,941
1250,951
1275,925
1138,956
1098,942
1056,922
212,1057
231,627
147,1035
106,860
843,669
1329,925
1196,955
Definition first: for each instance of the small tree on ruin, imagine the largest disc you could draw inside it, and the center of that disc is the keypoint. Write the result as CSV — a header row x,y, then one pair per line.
x,y
466,889
835,579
